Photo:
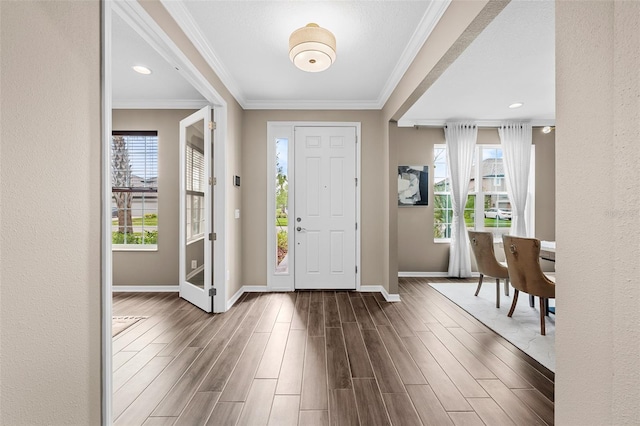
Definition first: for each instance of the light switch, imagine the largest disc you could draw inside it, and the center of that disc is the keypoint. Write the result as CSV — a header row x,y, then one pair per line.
x,y
237,214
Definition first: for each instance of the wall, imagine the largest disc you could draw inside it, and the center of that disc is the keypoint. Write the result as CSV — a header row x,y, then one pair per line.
x,y
233,146
156,267
417,251
598,206
50,206
254,184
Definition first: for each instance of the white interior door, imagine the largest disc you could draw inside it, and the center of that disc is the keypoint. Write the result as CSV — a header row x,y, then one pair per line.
x,y
196,265
325,208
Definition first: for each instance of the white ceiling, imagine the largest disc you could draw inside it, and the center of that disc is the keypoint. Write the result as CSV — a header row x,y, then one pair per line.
x,y
512,60
246,43
164,88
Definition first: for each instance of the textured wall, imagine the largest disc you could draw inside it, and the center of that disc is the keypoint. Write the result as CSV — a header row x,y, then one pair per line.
x,y
598,211
50,208
254,200
416,250
156,267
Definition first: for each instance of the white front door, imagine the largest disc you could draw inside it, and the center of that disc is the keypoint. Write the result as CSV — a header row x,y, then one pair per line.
x,y
195,209
325,208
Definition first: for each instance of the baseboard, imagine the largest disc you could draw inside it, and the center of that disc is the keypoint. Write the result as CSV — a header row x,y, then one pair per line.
x,y
429,274
145,289
422,274
380,289
246,289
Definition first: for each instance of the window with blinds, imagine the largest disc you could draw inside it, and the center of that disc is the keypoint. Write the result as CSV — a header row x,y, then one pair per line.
x,y
134,186
196,185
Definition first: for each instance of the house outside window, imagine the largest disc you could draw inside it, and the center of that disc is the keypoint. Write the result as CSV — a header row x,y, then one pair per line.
x,y
487,208
134,185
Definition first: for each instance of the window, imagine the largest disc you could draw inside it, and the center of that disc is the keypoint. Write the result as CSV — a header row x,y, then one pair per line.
x,y
488,206
134,185
195,193
282,203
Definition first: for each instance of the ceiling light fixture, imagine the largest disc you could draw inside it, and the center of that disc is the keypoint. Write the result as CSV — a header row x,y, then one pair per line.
x,y
516,105
141,69
312,48
548,129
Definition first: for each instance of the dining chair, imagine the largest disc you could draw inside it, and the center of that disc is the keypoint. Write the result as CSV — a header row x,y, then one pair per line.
x,y
523,262
482,247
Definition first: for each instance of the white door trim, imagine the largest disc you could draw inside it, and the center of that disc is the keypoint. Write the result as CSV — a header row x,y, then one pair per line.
x,y
284,129
197,296
142,23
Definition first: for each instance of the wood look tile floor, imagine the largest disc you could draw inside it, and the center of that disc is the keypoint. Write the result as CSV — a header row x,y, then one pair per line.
x,y
320,358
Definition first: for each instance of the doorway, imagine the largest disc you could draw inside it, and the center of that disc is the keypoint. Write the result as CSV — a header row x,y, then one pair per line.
x,y
131,15
314,202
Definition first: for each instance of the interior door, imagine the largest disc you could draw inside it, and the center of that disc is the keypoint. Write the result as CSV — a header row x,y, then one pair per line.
x,y
196,251
325,207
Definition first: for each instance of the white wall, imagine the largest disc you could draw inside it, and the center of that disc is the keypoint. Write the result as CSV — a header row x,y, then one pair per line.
x,y
598,213
50,208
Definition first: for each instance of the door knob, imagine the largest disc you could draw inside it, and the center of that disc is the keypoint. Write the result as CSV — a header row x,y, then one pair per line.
x,y
298,219
299,229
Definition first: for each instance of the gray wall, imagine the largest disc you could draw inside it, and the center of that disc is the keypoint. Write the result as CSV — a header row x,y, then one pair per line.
x,y
598,206
156,267
50,207
417,252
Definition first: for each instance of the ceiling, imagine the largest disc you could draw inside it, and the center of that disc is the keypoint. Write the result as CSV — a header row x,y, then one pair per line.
x,y
246,43
163,88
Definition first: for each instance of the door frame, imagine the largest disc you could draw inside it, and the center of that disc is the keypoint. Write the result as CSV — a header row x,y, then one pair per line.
x,y
285,129
137,17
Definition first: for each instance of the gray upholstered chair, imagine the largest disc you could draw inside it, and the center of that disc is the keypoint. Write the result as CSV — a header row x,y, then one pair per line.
x,y
523,262
482,247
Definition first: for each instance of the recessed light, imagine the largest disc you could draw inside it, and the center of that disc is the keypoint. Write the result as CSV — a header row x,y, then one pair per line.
x,y
516,105
142,70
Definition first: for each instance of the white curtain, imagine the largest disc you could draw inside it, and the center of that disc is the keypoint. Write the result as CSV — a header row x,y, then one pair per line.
x,y
516,151
461,144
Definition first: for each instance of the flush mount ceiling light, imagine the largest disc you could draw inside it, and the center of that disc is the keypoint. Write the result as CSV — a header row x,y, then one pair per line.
x,y
311,48
141,69
548,129
516,105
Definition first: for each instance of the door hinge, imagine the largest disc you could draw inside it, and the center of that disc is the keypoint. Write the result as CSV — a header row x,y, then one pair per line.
x,y
212,292
212,236
212,125
213,181
356,226
356,181
356,269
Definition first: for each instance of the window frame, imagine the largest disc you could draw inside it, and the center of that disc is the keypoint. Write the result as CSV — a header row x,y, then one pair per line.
x,y
192,194
144,189
479,194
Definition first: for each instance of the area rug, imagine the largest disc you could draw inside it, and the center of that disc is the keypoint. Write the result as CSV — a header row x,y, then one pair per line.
x,y
522,329
120,324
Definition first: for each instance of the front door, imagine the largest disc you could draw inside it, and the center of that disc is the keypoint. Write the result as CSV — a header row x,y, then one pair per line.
x,y
325,208
195,209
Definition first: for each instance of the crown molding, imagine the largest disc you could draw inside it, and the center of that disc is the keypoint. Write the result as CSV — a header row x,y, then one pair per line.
x,y
185,21
159,103
428,22
311,105
480,123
